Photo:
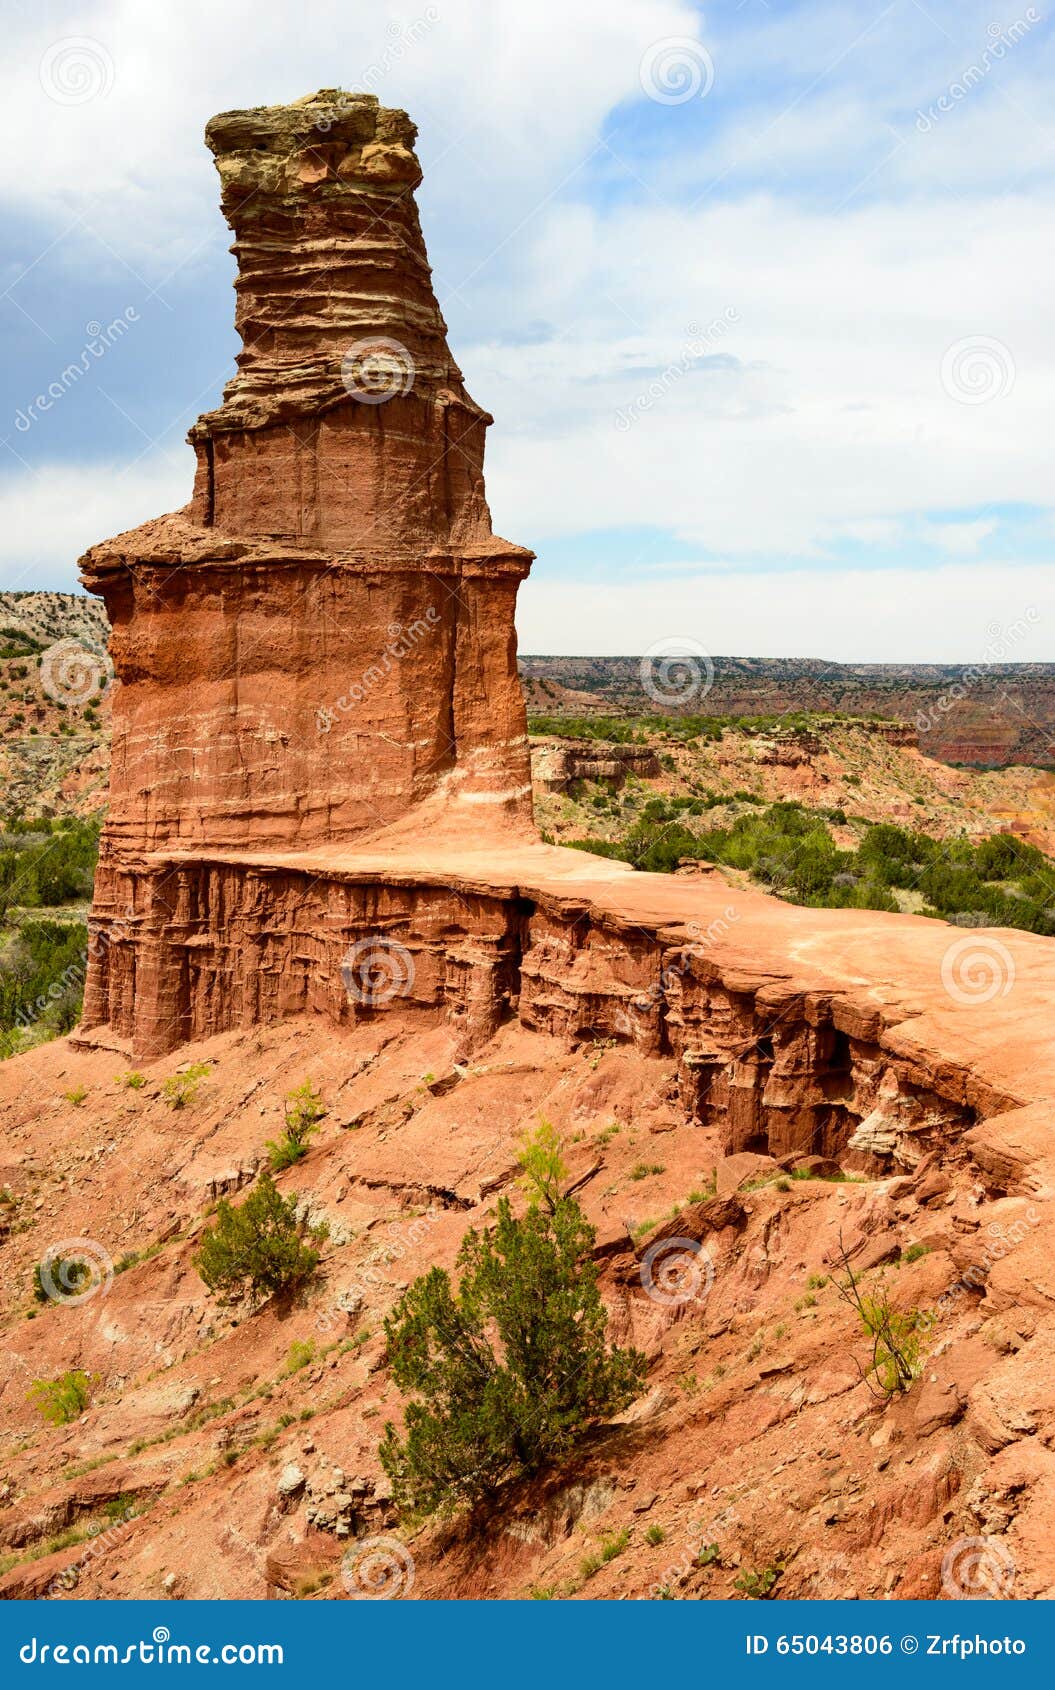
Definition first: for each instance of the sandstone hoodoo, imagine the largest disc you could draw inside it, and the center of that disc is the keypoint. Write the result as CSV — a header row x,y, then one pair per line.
x,y
320,645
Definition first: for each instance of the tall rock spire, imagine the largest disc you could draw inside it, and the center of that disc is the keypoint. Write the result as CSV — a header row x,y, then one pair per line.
x,y
319,648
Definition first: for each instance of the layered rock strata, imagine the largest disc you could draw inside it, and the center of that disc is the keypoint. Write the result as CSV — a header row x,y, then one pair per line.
x,y
321,643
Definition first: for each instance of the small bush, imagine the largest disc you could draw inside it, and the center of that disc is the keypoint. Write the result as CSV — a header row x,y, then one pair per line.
x,y
301,1354
63,1399
259,1248
76,1095
614,1545
70,1273
510,1370
760,1584
654,1535
304,1110
180,1089
896,1335
133,1081
642,1170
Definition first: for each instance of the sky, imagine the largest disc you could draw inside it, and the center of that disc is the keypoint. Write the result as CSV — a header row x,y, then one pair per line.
x,y
758,293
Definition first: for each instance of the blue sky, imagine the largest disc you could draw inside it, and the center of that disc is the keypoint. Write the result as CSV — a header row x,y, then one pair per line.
x,y
759,295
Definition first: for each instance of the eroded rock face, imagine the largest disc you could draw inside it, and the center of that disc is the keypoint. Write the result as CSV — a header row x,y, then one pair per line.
x,y
321,643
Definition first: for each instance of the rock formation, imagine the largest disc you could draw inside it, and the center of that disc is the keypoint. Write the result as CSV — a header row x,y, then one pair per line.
x,y
322,640
321,644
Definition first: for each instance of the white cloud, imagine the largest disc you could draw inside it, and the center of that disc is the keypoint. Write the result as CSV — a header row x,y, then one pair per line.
x,y
960,539
830,408
503,93
853,249
945,615
48,517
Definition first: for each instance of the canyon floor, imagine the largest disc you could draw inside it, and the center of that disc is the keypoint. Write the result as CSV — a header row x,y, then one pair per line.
x,y
227,1451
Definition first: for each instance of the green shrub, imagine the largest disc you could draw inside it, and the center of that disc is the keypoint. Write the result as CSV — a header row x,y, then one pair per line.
x,y
63,1399
301,1354
304,1110
180,1089
71,1273
643,1170
261,1247
759,1585
614,1545
509,1371
133,1081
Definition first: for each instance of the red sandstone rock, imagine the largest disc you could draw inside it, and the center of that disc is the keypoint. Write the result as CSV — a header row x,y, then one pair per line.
x,y
321,644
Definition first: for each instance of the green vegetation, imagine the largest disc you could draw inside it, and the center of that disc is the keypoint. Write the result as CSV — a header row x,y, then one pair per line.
x,y
180,1089
760,1584
509,1371
543,1165
302,1353
896,1334
63,1399
1000,881
44,865
70,1273
642,729
643,1170
304,1110
261,1248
